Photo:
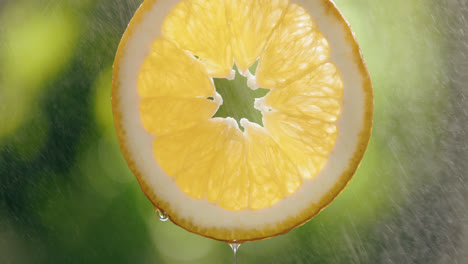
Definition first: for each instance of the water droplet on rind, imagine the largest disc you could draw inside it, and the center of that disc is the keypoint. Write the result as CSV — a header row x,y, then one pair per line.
x,y
235,248
162,215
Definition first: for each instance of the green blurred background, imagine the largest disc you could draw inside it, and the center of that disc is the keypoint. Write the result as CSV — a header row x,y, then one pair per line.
x,y
67,196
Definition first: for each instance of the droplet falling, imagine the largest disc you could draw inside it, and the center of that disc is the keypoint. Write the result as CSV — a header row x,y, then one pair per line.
x,y
234,247
162,215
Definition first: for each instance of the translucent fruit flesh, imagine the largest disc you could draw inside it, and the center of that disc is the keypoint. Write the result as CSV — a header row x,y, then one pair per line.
x,y
211,158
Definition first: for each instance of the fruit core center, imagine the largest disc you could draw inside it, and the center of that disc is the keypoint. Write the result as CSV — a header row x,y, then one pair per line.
x,y
239,98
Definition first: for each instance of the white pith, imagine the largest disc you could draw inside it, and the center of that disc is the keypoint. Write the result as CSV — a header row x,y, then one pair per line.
x,y
251,80
201,212
231,75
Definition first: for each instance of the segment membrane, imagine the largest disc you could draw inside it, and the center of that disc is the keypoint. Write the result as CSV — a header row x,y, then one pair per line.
x,y
251,24
315,95
296,46
272,174
188,155
169,71
161,115
228,185
199,26
306,141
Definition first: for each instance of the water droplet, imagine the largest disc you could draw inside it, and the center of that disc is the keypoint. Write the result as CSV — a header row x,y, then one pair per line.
x,y
235,247
162,215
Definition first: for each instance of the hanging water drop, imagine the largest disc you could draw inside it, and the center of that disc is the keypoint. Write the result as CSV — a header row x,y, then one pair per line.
x,y
162,215
234,247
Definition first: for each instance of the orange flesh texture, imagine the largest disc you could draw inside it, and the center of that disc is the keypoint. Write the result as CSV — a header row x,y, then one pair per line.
x,y
211,158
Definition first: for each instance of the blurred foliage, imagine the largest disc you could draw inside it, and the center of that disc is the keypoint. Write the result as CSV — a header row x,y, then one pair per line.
x,y
67,196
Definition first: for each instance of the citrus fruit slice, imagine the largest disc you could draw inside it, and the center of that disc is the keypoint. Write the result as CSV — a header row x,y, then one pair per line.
x,y
213,171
